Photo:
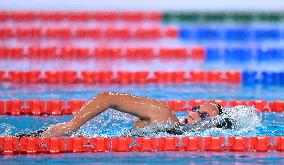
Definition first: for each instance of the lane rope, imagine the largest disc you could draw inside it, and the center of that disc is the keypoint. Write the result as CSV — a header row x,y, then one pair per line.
x,y
95,33
71,52
120,77
83,16
233,77
247,34
11,145
137,16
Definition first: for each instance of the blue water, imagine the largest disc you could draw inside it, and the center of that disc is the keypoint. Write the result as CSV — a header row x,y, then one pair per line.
x,y
113,123
116,123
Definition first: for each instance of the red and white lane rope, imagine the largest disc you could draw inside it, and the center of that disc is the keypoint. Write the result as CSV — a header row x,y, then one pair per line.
x,y
11,145
95,33
121,77
75,52
83,16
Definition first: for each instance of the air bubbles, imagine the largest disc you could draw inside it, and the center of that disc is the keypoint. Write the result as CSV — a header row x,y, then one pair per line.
x,y
6,129
110,123
245,118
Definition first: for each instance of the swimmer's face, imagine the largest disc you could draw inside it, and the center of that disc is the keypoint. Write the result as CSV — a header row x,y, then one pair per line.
x,y
201,112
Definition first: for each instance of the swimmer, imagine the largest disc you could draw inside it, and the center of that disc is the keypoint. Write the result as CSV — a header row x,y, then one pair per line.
x,y
149,112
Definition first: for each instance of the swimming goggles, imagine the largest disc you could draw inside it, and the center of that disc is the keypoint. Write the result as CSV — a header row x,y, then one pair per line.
x,y
202,115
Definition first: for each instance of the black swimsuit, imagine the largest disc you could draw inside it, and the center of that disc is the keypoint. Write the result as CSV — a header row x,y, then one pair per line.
x,y
157,128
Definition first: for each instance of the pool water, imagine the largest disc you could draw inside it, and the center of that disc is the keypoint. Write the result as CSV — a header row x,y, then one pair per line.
x,y
113,124
193,158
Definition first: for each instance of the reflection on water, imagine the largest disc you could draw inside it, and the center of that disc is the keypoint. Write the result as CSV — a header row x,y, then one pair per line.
x,y
193,158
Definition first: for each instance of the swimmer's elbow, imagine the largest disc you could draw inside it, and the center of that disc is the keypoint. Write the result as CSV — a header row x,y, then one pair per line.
x,y
105,97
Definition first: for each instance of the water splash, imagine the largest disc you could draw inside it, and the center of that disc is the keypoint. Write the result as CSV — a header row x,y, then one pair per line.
x,y
108,124
113,123
6,129
245,119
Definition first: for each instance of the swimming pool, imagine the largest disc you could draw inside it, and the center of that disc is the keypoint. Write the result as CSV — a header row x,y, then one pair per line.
x,y
116,123
257,56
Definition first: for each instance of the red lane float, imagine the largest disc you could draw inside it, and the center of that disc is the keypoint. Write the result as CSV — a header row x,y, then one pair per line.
x,y
14,107
71,107
82,16
64,33
145,144
213,143
71,52
276,106
238,144
27,145
34,107
168,144
120,77
192,143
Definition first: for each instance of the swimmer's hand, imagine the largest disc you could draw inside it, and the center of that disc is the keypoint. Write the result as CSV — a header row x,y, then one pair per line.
x,y
59,130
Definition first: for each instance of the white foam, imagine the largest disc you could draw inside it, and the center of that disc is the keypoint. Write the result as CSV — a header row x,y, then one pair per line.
x,y
7,129
245,118
245,121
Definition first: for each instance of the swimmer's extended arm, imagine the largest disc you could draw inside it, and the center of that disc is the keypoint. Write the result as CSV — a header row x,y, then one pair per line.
x,y
146,109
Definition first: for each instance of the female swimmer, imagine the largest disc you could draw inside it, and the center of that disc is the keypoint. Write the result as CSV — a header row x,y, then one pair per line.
x,y
149,111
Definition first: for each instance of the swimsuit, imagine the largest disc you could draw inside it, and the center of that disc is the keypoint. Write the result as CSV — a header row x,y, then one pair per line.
x,y
167,127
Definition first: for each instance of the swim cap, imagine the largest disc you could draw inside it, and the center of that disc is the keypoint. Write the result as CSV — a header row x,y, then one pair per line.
x,y
226,123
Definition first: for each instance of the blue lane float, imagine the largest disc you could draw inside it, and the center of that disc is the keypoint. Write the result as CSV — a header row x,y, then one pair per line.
x,y
249,77
214,54
265,78
238,54
208,34
239,34
264,54
269,78
243,54
266,34
185,33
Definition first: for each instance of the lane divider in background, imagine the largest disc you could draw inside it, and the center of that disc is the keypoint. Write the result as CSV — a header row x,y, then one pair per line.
x,y
244,54
248,78
229,54
123,33
239,17
60,107
137,16
55,16
121,77
246,34
11,145
69,52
